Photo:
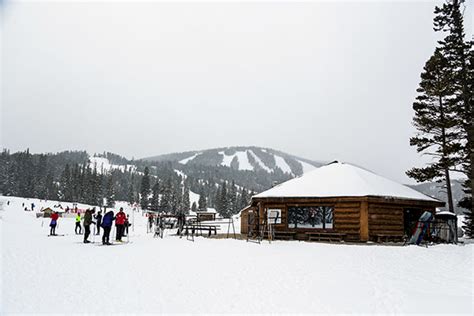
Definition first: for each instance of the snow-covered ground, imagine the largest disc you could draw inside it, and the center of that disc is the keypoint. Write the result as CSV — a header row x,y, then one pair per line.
x,y
41,274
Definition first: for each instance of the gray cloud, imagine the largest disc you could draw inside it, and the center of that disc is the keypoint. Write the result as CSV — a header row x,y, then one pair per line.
x,y
321,80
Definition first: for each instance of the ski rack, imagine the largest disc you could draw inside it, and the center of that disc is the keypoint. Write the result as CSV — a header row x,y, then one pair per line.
x,y
257,230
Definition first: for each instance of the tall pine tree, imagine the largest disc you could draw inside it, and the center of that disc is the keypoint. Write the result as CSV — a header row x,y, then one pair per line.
x,y
458,51
435,121
145,189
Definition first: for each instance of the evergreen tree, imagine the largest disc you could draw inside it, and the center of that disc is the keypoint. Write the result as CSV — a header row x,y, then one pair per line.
x,y
459,52
194,207
166,203
110,192
202,202
66,186
186,201
435,122
244,199
232,199
155,200
131,194
145,189
224,201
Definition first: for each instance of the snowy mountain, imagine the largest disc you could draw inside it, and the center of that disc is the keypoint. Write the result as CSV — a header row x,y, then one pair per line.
x,y
436,190
243,159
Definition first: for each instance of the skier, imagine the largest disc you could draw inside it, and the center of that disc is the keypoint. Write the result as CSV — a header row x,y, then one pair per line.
x,y
54,222
119,224
98,219
150,221
87,225
107,226
32,206
126,225
78,224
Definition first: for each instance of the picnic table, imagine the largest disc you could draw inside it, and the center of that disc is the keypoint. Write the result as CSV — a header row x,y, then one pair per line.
x,y
200,227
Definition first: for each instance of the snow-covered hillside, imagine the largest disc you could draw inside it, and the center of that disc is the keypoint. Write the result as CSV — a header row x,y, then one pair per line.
x,y
248,159
62,275
103,165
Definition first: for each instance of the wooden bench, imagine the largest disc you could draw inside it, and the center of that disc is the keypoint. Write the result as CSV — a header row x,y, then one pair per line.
x,y
380,238
325,236
284,235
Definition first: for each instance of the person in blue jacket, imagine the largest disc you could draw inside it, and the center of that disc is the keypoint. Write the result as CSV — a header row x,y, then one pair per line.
x,y
107,221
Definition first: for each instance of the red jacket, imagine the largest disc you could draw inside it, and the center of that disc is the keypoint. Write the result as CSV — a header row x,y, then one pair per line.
x,y
54,216
120,218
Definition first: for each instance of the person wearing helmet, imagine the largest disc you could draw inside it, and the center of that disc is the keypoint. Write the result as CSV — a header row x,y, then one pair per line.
x,y
78,224
54,222
120,224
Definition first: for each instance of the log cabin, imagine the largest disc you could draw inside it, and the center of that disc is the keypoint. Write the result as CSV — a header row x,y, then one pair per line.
x,y
338,201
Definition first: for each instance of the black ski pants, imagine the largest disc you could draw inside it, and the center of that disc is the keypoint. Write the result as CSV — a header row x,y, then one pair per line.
x,y
87,231
106,235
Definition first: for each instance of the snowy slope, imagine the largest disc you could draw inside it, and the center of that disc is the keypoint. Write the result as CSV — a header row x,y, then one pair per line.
x,y
259,162
281,163
61,275
248,159
186,160
306,166
242,159
103,165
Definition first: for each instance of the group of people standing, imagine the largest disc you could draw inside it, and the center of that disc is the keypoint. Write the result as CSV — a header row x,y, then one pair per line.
x,y
122,224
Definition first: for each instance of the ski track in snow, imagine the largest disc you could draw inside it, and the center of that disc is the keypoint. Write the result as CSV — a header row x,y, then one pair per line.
x,y
43,274
260,162
281,163
242,158
186,160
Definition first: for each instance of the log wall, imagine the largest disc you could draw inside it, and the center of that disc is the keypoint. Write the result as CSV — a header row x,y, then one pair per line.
x,y
385,219
347,220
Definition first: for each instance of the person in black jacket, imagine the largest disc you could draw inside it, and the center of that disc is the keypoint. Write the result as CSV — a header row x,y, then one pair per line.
x,y
87,223
107,221
98,220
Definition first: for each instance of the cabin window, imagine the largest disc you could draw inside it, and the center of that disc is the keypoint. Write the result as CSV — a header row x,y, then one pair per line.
x,y
310,217
274,215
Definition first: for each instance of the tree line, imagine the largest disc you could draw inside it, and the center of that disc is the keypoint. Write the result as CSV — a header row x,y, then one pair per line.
x,y
71,177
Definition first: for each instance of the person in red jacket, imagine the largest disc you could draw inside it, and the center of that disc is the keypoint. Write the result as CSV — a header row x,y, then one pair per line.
x,y
54,222
120,224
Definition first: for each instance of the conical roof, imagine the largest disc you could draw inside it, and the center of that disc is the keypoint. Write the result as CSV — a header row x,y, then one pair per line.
x,y
343,180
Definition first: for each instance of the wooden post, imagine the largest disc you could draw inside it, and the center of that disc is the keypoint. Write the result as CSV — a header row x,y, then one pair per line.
x,y
364,221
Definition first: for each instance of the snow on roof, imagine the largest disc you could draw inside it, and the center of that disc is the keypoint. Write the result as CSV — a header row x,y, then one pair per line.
x,y
342,179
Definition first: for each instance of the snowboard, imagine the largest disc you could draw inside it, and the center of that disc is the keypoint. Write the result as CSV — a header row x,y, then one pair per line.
x,y
421,228
57,235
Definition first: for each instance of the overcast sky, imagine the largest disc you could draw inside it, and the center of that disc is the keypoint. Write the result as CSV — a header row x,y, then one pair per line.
x,y
321,80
